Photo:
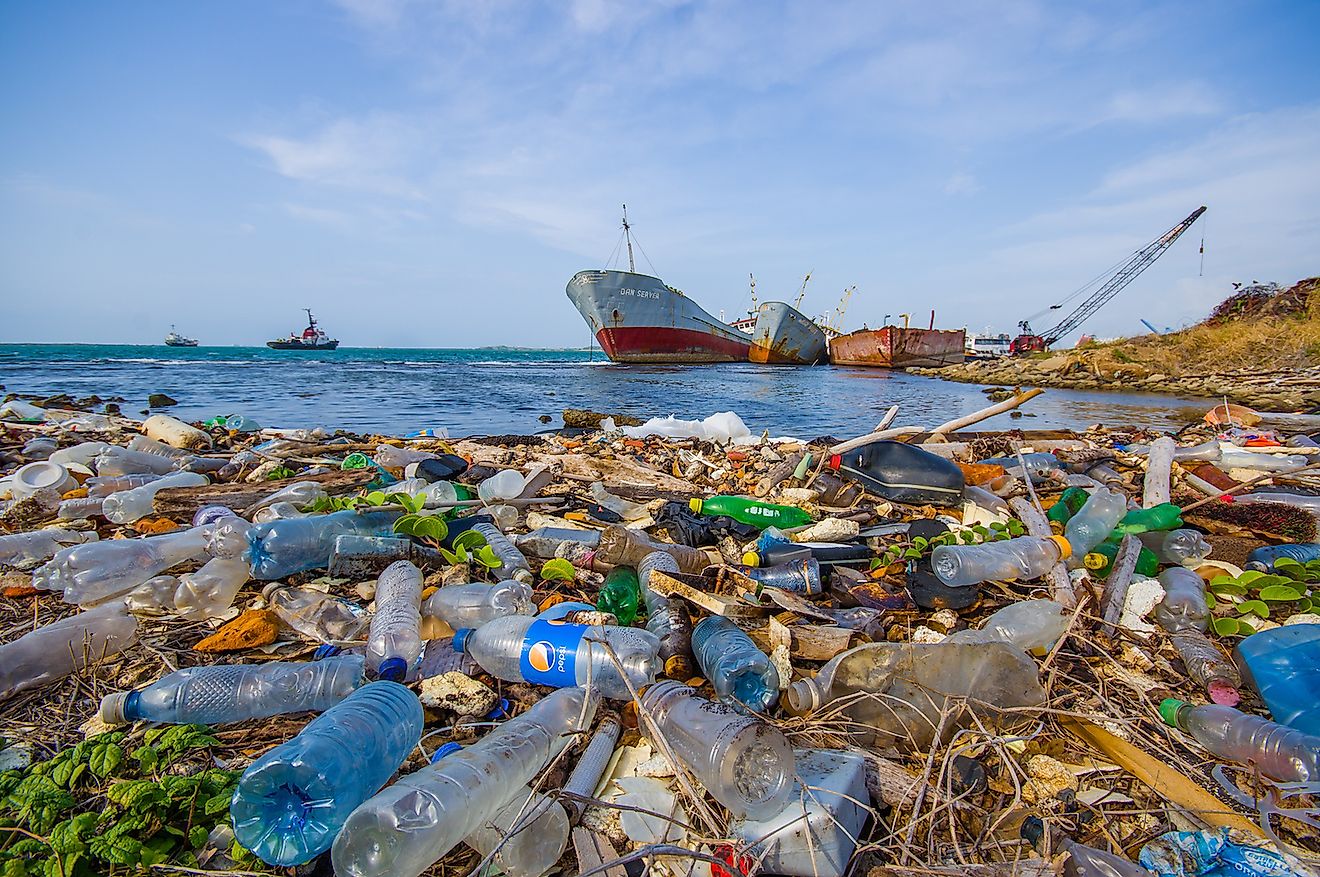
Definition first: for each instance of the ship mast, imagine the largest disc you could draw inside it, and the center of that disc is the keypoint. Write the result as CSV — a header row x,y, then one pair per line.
x,y
627,229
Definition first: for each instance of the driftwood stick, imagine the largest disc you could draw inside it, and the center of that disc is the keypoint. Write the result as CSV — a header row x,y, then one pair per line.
x,y
877,436
1159,471
986,413
1120,579
1061,589
887,419
183,502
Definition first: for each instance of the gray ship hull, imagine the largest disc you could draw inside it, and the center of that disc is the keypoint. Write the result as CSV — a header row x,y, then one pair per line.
x,y
786,336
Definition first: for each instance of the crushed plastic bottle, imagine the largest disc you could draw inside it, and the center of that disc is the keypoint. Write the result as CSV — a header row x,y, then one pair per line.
x,y
619,595
521,649
117,566
1277,751
394,457
153,597
667,617
315,614
1185,547
750,511
287,546
104,485
114,460
620,546
292,801
224,693
1023,558
740,673
1041,466
745,764
1283,665
55,650
1083,861
1030,625
1264,557
473,605
39,546
1184,605
512,563
1161,517
394,641
408,826
128,506
1094,522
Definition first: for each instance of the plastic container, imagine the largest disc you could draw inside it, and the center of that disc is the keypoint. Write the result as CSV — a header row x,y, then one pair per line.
x,y
440,468
223,693
55,650
104,485
1264,557
1041,466
116,566
175,432
394,641
473,605
619,595
1277,751
128,506
740,673
1184,605
41,476
1026,557
796,577
1030,625
404,829
1236,458
284,547
521,649
1185,547
1296,500
394,457
620,546
1207,667
750,511
80,509
1283,665
82,454
17,409
291,802
1094,521
505,484
147,445
827,554
1161,517
745,764
667,618
512,563
902,473
315,614
121,461
38,546
1069,503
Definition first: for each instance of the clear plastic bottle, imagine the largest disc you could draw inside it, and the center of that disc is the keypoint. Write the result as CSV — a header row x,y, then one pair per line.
x,y
1296,500
473,605
408,826
667,618
1279,752
1026,557
513,564
629,511
395,457
55,650
119,565
1237,458
1031,625
1095,521
277,512
289,545
527,835
591,766
741,673
104,485
394,642
115,460
224,693
1184,605
745,764
620,546
38,546
545,542
127,506
1263,558
300,493
1083,861
210,591
1281,665
505,484
1040,465
83,454
291,802
153,597
1207,666
315,614
81,508
521,649
1185,547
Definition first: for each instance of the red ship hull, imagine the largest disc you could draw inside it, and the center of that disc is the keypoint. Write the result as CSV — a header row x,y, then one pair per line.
x,y
664,344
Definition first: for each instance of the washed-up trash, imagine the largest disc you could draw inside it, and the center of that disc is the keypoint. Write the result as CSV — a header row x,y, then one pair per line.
x,y
1082,861
1279,752
394,640
620,595
667,618
317,615
97,570
1283,665
723,427
740,672
1093,522
901,473
753,512
1184,547
38,546
284,547
1025,557
55,650
686,527
1210,854
1266,556
472,605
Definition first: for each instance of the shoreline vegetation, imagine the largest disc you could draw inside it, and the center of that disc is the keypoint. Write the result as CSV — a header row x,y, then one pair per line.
x,y
1260,347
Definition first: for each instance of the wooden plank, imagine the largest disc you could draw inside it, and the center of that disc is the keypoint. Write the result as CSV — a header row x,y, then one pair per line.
x,y
730,608
593,850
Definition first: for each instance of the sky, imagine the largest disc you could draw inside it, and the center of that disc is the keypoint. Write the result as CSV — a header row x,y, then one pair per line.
x,y
427,173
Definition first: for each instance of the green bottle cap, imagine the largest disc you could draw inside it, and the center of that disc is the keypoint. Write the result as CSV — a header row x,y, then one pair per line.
x,y
1169,708
355,461
695,505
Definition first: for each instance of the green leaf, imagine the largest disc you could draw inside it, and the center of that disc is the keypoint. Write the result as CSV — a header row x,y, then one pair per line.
x,y
560,570
912,553
104,759
1227,626
375,498
136,794
1280,593
1253,607
119,850
1250,576
1229,587
217,804
469,539
487,558
197,836
147,757
1306,604
431,527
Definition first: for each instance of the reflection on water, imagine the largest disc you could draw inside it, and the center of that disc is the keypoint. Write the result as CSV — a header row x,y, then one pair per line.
x,y
505,391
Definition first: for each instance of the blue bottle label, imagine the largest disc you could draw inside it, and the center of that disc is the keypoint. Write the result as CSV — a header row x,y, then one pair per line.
x,y
549,652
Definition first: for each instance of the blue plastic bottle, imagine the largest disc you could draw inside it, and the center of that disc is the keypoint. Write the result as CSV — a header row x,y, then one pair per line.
x,y
739,671
1263,558
291,802
290,545
1283,665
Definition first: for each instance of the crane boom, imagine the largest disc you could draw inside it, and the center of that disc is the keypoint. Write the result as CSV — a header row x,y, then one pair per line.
x,y
1126,273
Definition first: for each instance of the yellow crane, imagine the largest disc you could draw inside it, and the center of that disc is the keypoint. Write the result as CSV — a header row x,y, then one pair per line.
x,y
831,324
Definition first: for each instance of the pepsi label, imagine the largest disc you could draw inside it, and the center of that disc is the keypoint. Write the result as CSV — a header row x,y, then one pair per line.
x,y
549,652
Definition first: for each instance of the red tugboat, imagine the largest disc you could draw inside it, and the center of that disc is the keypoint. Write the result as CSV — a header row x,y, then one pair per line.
x,y
312,338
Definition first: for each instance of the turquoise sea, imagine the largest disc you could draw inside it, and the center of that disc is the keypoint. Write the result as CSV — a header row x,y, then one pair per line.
x,y
502,390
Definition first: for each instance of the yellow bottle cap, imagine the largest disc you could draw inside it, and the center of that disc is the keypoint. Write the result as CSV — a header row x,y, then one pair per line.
x,y
751,558
1065,550
1095,560
694,504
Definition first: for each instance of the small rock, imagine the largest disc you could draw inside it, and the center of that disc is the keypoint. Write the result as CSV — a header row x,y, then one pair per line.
x,y
799,495
111,408
924,634
945,619
1046,778
458,693
1302,618
366,590
253,628
545,418
160,400
829,530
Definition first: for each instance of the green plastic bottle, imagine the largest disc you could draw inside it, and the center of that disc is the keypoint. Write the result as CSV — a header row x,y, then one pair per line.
x,y
1166,516
620,595
749,511
1070,503
1100,561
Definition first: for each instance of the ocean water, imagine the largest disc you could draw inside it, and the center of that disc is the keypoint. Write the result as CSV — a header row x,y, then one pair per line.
x,y
499,390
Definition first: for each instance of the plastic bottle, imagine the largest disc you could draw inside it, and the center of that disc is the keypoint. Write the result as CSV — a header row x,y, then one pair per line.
x,y
175,431
521,649
315,614
526,836
620,546
667,618
629,511
1264,557
744,763
210,591
1185,547
1165,516
473,605
1283,665
404,829
128,506
1207,667
1040,466
513,564
118,565
55,650
1026,557
38,546
591,766
1069,503
121,461
1083,861
1296,500
1094,521
83,454
438,493
291,802
619,595
740,673
154,596
223,693
143,444
750,511
300,493
1184,605
1237,458
394,457
284,547
394,642
80,509
505,484
1279,752
796,577
546,542
902,473
827,554
1100,560
1031,625
39,448
104,485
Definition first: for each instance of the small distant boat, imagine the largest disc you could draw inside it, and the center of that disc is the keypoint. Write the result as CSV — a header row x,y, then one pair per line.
x,y
899,347
174,339
781,334
312,338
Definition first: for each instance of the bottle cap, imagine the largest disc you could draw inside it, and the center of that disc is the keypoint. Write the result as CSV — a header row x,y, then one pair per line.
x,y
460,639
325,650
694,504
1033,829
1095,560
1065,550
1169,708
392,669
751,558
448,749
112,708
501,709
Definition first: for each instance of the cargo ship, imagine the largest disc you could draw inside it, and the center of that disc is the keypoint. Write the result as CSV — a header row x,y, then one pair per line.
x,y
784,335
639,318
899,347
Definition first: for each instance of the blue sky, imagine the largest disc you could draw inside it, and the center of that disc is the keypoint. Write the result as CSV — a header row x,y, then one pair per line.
x,y
432,173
